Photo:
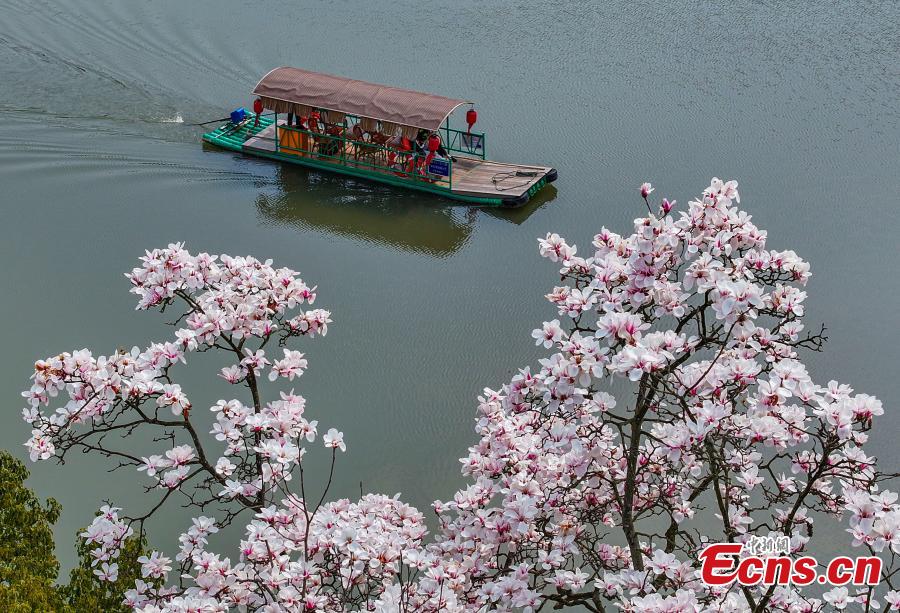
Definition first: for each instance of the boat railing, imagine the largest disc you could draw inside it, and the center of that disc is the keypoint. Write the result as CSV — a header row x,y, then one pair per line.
x,y
458,141
362,155
453,140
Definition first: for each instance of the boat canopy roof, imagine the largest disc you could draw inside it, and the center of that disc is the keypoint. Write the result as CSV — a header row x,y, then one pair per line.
x,y
294,90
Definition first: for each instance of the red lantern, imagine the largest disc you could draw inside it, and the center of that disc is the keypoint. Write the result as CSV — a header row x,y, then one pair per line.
x,y
471,118
258,106
434,143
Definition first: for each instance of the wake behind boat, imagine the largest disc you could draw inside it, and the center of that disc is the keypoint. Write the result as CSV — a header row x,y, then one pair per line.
x,y
396,136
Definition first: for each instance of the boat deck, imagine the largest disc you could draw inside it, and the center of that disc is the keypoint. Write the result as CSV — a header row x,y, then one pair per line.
x,y
473,180
484,178
264,140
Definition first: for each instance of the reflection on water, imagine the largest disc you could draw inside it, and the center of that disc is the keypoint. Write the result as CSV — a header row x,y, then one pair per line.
x,y
379,214
520,214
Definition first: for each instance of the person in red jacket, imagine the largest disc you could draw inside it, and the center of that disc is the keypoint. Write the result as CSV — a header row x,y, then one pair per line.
x,y
258,109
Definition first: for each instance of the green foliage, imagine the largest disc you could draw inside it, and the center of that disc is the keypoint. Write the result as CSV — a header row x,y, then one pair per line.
x,y
86,593
28,566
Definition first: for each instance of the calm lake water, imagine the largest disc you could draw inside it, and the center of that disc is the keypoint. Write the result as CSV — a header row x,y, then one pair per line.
x,y
431,302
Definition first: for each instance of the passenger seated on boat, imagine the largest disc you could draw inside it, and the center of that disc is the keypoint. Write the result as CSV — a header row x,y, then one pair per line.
x,y
441,152
422,142
313,122
422,152
398,144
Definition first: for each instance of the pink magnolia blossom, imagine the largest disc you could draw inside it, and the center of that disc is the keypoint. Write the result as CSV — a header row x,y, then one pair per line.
x,y
334,439
573,497
292,365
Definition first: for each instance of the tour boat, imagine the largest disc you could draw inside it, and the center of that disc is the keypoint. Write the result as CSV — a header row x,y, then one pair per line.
x,y
395,136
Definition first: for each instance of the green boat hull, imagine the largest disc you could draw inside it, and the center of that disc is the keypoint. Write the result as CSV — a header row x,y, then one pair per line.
x,y
232,138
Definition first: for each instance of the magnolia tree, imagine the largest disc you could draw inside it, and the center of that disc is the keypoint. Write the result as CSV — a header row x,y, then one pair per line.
x,y
574,497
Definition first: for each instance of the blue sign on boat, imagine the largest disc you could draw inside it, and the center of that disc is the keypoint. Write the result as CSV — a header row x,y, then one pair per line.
x,y
439,167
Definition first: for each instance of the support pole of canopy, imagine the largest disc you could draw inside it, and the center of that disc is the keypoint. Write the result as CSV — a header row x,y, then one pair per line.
x,y
450,157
